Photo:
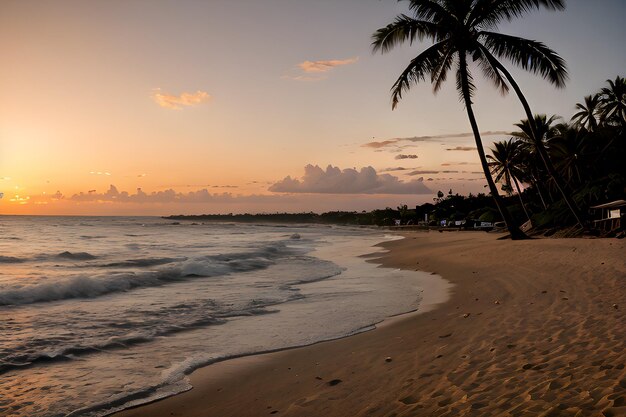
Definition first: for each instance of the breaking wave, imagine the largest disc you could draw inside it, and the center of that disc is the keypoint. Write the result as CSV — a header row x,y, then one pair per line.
x,y
94,286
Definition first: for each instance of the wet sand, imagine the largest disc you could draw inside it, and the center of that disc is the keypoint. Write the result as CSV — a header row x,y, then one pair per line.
x,y
532,328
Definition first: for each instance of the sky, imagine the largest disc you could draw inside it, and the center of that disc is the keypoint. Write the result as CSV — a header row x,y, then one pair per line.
x,y
165,107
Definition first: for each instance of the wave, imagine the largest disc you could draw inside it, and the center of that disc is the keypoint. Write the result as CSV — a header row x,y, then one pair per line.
x,y
175,379
76,256
11,260
137,337
138,263
95,286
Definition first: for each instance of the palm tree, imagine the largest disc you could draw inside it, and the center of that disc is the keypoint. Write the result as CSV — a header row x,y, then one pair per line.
x,y
587,113
536,131
569,149
544,129
613,102
506,166
462,30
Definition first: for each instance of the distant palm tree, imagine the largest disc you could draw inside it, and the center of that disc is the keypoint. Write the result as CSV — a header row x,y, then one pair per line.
x,y
462,30
569,149
536,132
507,166
544,129
588,113
613,102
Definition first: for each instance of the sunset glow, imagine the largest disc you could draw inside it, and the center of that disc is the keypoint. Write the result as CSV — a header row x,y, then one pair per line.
x,y
162,100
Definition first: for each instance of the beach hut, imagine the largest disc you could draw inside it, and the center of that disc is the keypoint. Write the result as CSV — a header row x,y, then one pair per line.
x,y
610,216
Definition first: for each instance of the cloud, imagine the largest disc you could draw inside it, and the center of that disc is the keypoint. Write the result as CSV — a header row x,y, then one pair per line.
x,y
113,195
326,65
437,138
317,70
378,145
402,156
394,169
462,148
448,164
422,172
108,174
176,102
333,180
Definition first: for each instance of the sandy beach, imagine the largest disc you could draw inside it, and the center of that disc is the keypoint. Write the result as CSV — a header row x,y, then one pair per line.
x,y
532,328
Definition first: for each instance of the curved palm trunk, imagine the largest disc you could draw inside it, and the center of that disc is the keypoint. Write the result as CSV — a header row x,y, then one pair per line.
x,y
519,194
541,149
516,233
536,184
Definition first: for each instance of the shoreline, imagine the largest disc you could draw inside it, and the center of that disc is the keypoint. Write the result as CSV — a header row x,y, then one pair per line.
x,y
488,350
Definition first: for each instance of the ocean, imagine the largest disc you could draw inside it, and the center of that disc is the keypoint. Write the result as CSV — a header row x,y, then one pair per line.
x,y
98,314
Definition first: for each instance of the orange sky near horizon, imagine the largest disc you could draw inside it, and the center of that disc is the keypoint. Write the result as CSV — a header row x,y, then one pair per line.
x,y
176,99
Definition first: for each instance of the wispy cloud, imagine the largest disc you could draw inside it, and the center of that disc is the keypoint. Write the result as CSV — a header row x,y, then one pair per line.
x,y
318,70
382,144
449,164
334,180
174,102
422,172
325,65
434,138
393,169
462,148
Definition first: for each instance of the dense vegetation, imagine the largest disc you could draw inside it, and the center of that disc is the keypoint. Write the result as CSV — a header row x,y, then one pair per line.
x,y
588,153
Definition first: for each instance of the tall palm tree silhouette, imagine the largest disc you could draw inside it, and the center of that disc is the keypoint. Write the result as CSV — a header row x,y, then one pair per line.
x,y
507,166
463,30
587,113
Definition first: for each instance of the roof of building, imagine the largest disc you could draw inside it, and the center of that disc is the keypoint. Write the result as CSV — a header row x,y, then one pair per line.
x,y
611,205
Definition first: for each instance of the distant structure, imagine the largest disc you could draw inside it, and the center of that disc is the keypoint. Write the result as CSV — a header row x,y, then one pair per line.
x,y
611,216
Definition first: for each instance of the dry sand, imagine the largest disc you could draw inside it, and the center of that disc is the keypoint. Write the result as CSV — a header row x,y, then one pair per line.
x,y
533,328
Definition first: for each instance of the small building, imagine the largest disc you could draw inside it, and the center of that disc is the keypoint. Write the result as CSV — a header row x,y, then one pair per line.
x,y
610,216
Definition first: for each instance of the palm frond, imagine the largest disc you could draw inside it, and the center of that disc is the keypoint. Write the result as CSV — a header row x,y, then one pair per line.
x,y
489,65
425,63
403,29
431,11
489,13
439,76
530,55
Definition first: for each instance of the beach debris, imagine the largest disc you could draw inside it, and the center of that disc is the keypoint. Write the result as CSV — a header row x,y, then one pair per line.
x,y
388,359
510,346
544,292
466,315
445,335
319,378
335,382
497,302
295,236
438,356
564,298
615,306
274,412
